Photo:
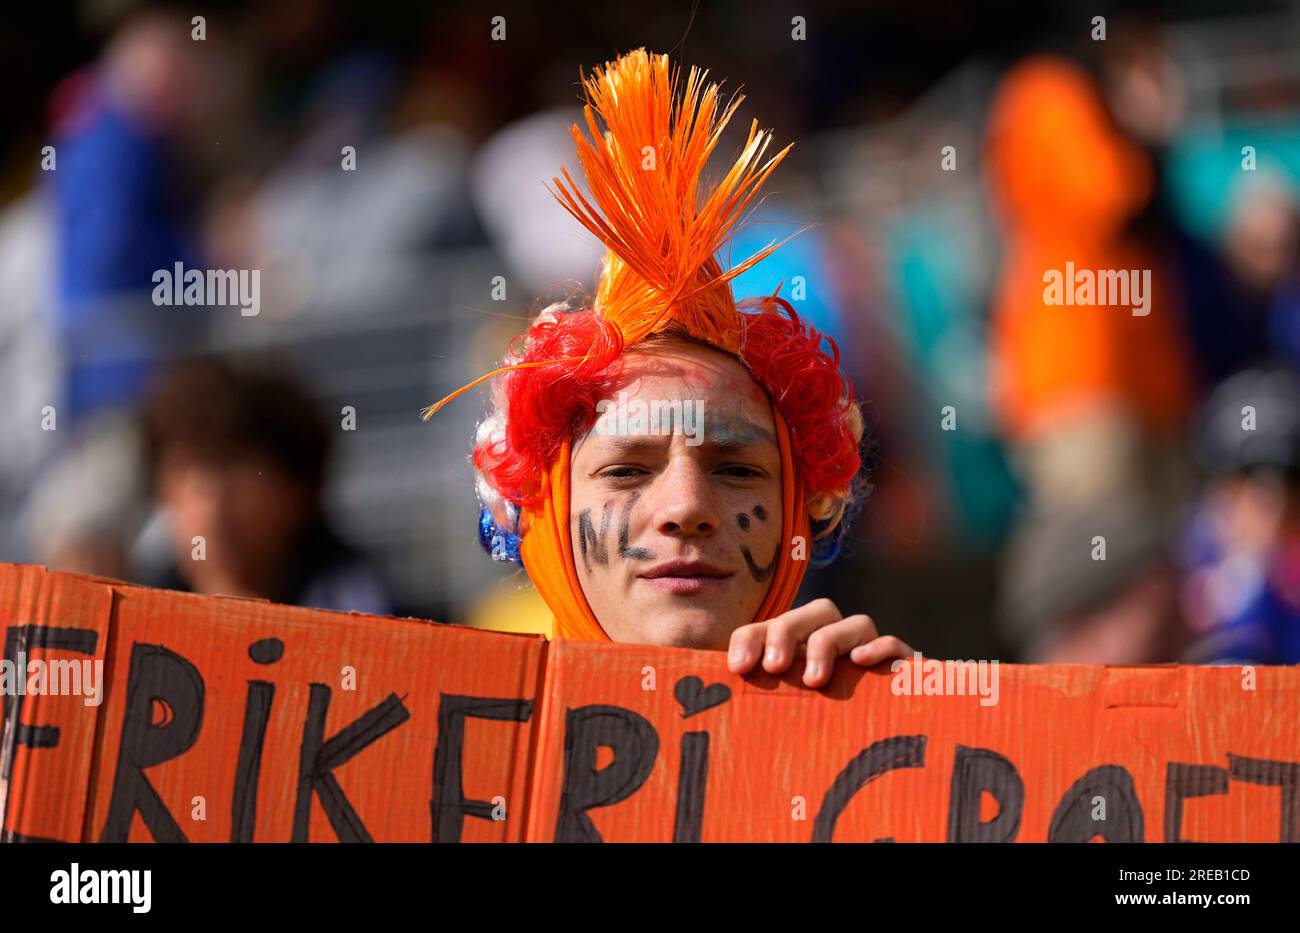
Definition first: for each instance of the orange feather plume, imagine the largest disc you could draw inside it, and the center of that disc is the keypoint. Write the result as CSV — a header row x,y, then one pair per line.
x,y
660,222
645,174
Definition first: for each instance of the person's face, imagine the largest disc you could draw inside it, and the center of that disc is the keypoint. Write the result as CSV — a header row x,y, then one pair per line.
x,y
247,510
676,520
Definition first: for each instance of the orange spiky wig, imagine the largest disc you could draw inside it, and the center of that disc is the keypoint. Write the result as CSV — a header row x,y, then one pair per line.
x,y
663,227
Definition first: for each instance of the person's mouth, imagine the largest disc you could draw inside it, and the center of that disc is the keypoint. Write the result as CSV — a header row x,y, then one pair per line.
x,y
685,577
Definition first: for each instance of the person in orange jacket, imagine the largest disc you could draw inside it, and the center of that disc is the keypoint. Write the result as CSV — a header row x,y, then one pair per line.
x,y
1090,370
1065,182
663,460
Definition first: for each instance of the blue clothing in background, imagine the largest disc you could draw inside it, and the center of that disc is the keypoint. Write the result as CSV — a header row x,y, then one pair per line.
x,y
1250,607
118,219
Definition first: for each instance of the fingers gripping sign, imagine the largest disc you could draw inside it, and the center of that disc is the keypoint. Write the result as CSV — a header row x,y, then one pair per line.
x,y
816,631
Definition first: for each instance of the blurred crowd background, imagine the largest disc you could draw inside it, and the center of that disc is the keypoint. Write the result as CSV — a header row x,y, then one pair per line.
x,y
1075,484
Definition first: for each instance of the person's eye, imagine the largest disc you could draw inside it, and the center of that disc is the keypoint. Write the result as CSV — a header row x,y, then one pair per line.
x,y
623,472
741,472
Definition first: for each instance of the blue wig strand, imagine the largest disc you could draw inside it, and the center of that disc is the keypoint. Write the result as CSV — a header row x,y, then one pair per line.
x,y
825,550
499,543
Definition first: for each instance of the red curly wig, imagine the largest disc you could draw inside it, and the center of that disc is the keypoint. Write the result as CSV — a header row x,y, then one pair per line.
x,y
548,401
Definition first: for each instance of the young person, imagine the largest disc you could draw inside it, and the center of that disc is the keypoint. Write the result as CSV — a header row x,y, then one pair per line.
x,y
664,461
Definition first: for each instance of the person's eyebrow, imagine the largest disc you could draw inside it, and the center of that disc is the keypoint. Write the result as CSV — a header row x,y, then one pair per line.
x,y
734,434
633,444
723,435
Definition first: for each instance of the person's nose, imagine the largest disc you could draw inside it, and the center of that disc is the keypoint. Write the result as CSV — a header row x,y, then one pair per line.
x,y
684,503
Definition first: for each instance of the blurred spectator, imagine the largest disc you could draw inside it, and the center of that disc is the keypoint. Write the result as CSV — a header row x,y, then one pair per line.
x,y
1069,607
1238,296
1242,544
121,211
237,454
1091,395
1065,183
1260,250
1241,295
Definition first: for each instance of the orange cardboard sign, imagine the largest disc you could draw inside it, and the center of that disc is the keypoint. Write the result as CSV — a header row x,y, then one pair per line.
x,y
657,744
47,741
133,714
228,719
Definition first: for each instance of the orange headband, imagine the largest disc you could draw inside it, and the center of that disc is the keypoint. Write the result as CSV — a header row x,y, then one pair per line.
x,y
547,548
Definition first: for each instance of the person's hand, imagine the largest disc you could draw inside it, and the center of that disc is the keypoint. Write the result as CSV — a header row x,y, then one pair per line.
x,y
817,631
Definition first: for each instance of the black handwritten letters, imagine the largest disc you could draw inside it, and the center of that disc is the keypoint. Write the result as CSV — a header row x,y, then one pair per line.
x,y
161,677
594,546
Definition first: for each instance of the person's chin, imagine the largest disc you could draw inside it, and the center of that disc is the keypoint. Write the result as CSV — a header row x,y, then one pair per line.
x,y
678,622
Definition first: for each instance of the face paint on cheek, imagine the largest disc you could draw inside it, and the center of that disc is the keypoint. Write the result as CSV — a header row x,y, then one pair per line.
x,y
634,553
759,573
593,546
